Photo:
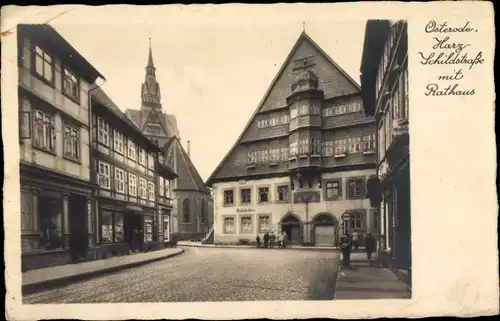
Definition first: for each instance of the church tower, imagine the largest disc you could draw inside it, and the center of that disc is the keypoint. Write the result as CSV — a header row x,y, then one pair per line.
x,y
150,92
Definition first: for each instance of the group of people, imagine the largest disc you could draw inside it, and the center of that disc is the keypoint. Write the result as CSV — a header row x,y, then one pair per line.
x,y
271,240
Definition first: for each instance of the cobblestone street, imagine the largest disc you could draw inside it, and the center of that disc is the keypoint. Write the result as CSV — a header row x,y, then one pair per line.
x,y
203,274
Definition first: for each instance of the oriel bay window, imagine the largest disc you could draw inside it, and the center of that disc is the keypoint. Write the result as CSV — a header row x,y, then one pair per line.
x,y
354,144
71,85
340,146
71,143
44,131
104,175
112,227
369,142
44,64
304,146
327,148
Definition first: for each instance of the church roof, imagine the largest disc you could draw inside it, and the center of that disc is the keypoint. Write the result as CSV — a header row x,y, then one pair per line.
x,y
189,178
168,121
333,81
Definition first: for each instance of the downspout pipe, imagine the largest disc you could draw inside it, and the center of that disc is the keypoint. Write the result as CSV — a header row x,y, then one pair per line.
x,y
91,158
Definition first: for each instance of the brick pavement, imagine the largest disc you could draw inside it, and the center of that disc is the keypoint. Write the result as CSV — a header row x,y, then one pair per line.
x,y
40,279
368,280
209,274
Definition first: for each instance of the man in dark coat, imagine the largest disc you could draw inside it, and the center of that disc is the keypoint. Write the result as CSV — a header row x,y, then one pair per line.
x,y
266,240
370,245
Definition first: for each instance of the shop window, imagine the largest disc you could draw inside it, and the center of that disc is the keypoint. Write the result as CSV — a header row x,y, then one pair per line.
x,y
246,224
229,225
356,221
264,223
50,211
148,229
118,220
107,227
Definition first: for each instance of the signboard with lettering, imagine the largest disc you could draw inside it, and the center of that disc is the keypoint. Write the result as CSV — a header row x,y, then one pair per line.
x,y
399,127
383,169
245,210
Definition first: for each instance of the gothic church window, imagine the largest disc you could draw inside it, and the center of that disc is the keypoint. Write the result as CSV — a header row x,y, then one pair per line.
x,y
186,207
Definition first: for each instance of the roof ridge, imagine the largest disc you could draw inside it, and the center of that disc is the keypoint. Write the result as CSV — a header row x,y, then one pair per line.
x,y
197,180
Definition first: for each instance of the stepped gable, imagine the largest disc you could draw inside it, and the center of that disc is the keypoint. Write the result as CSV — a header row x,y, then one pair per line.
x,y
330,78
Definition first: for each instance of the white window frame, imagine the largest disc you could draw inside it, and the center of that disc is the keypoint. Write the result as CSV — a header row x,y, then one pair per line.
x,y
242,199
46,60
327,148
131,150
104,175
151,191
71,142
286,195
119,180
267,193
118,141
151,161
48,139
103,128
226,200
340,146
143,188
232,230
267,224
71,84
132,184
244,219
142,156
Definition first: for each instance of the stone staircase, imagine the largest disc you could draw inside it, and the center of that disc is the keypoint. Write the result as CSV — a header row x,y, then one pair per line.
x,y
209,238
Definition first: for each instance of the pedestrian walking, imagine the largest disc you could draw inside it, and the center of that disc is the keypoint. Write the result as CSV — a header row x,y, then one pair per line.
x,y
266,240
285,239
280,240
257,240
355,239
370,245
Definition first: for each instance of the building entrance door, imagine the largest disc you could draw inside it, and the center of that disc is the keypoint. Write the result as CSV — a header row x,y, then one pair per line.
x,y
78,230
133,227
291,226
324,230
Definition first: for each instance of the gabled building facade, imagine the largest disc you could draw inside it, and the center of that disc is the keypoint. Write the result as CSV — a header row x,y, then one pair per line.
x,y
133,199
56,185
384,81
192,199
303,159
192,217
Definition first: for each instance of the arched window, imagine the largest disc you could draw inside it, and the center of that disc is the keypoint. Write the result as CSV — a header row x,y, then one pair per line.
x,y
203,211
186,207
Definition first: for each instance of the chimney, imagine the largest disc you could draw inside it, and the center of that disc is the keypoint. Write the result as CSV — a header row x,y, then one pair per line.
x,y
189,148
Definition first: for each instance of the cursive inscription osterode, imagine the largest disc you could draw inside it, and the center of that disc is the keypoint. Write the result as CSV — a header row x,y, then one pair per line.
x,y
448,52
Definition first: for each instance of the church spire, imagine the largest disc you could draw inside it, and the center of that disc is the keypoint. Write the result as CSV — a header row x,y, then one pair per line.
x,y
150,58
150,93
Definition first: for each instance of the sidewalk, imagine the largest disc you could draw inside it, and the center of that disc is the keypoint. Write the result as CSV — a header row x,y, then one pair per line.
x,y
293,247
41,279
367,280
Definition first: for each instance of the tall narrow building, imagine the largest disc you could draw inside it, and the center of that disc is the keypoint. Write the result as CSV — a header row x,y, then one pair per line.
x,y
192,200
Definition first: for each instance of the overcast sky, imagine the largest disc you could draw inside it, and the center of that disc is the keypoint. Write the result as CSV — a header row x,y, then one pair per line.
x,y
213,65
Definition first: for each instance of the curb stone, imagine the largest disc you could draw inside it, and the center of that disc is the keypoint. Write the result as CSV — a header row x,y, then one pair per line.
x,y
255,248
48,284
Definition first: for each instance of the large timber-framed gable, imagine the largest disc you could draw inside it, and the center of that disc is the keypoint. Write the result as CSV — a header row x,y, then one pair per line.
x,y
334,81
